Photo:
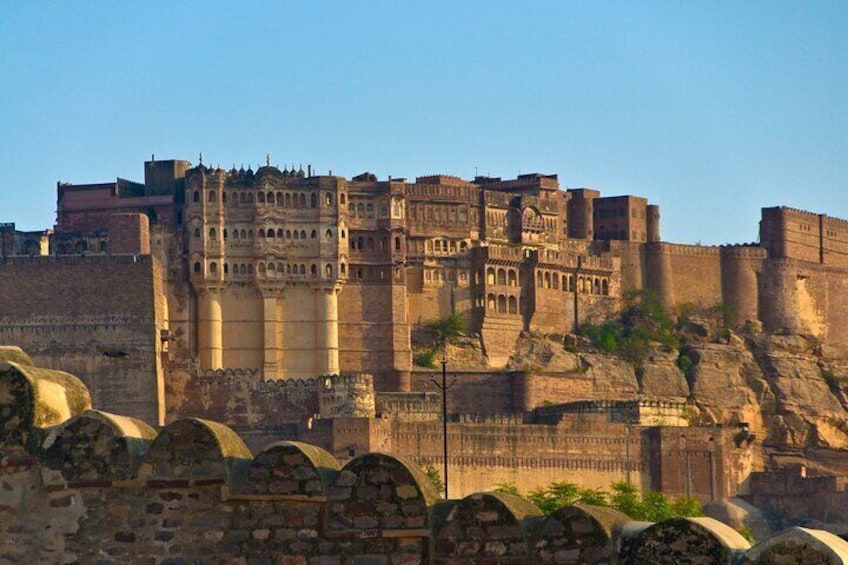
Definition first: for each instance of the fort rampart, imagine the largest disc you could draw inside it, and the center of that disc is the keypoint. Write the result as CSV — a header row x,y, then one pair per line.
x,y
83,486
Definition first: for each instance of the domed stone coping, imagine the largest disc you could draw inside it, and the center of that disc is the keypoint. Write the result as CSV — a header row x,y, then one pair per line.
x,y
488,526
15,354
696,541
32,399
192,449
799,545
97,445
291,468
579,534
379,491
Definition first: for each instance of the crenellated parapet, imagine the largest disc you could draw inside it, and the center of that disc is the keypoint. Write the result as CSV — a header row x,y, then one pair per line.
x,y
106,488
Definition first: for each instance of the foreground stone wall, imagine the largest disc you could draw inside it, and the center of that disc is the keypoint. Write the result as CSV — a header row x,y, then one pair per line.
x,y
101,488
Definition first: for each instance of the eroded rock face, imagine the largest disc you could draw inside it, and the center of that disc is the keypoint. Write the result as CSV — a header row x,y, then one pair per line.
x,y
777,386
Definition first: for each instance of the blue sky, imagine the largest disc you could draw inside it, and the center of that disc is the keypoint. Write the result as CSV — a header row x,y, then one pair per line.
x,y
710,109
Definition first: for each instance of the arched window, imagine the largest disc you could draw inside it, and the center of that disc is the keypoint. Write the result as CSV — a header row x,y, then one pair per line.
x,y
302,234
342,198
249,234
212,233
360,209
328,234
570,283
511,278
197,267
313,270
313,200
272,270
280,233
328,199
540,281
303,269
243,234
369,210
250,199
243,198
513,305
261,269
243,269
343,268
490,276
270,233
359,274
555,281
288,234
314,234
343,234
597,286
279,199
260,233
502,277
397,244
225,233
296,234
605,287
196,232
280,269
226,268
196,196
288,200
328,271
270,198
260,197
213,268
303,200
501,304
249,268
490,302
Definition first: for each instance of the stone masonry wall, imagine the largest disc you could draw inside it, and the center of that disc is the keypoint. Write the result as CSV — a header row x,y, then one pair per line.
x,y
96,317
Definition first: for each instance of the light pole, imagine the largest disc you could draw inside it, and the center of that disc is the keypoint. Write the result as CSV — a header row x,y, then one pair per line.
x,y
686,455
712,468
444,387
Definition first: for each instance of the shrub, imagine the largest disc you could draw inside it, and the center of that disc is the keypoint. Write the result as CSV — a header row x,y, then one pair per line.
x,y
425,358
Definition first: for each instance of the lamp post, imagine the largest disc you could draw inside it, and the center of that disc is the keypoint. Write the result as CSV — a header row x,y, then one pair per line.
x,y
688,470
712,468
444,387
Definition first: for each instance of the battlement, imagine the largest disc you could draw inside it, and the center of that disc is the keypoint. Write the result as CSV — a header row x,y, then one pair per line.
x,y
99,483
685,249
444,180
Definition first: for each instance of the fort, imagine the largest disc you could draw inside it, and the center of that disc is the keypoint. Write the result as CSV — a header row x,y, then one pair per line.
x,y
289,305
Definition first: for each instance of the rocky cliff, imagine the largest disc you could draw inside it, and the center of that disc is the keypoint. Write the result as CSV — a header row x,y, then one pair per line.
x,y
783,395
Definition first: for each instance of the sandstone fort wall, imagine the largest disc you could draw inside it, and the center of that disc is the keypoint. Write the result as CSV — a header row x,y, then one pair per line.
x,y
98,317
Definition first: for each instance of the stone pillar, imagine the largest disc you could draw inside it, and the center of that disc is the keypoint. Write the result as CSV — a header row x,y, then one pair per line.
x,y
327,330
210,329
271,366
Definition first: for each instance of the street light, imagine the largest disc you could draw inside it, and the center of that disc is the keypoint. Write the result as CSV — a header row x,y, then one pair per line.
x,y
444,387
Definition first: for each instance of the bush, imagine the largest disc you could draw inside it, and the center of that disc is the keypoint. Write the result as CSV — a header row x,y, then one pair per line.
x,y
425,358
684,363
651,505
433,474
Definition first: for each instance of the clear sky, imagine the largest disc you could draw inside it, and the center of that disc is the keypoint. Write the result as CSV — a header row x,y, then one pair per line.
x,y
710,109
